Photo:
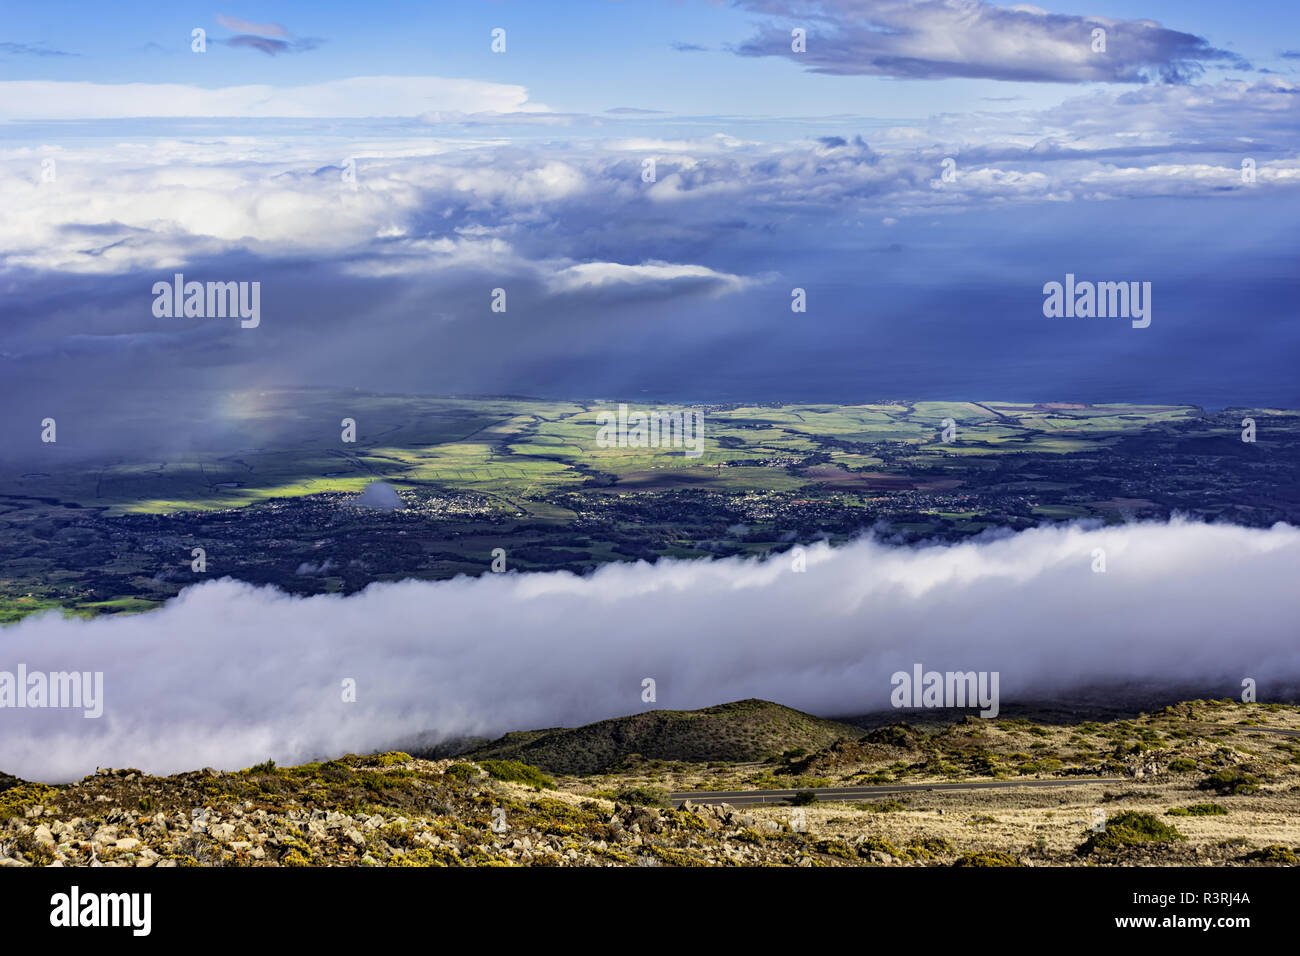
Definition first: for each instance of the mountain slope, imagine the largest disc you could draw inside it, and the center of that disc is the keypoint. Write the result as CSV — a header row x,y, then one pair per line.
x,y
739,731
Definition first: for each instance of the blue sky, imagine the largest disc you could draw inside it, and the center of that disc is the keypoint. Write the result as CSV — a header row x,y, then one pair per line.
x,y
575,55
128,158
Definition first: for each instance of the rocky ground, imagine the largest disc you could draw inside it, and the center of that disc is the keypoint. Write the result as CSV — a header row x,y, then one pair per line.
x,y
385,810
1202,783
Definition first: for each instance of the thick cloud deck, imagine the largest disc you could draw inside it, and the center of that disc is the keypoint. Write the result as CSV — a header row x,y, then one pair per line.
x,y
228,674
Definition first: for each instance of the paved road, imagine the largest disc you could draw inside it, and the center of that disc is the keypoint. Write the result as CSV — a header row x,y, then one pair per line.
x,y
747,798
1252,730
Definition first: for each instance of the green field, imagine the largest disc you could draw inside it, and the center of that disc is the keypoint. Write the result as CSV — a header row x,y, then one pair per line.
x,y
526,449
113,535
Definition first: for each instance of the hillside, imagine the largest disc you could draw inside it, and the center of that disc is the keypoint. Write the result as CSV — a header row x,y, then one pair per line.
x,y
740,731
1203,783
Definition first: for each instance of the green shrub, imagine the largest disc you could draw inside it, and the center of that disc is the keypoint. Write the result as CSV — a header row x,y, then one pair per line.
x,y
465,771
515,771
642,796
336,771
1229,782
1182,765
1129,829
803,798
15,801
810,783
1197,810
987,858
927,848
675,857
833,848
985,763
873,844
1275,853
266,766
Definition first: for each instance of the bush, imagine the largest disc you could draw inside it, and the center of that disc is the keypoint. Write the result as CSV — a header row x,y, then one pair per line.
x,y
803,798
266,766
987,858
810,783
465,771
1197,810
874,844
18,799
516,772
985,764
1129,829
1274,853
642,796
1182,765
927,848
1230,782
833,847
336,771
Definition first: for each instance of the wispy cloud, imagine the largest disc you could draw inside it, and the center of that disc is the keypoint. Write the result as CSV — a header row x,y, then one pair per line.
x,y
665,278
269,38
271,46
31,49
359,96
932,39
237,25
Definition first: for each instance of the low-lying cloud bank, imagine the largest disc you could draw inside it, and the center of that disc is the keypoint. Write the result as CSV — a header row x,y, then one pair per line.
x,y
228,674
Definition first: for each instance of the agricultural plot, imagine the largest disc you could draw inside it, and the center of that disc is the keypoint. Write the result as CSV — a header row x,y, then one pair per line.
x,y
270,502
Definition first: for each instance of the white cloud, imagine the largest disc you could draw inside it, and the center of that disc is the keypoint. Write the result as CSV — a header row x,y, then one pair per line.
x,y
228,674
598,275
243,26
358,97
146,204
971,38
643,144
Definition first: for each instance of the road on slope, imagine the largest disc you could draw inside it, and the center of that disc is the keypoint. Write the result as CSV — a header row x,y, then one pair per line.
x,y
748,798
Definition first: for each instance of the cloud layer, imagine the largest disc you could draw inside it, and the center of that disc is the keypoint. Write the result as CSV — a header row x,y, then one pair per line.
x,y
933,39
228,674
131,205
357,96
